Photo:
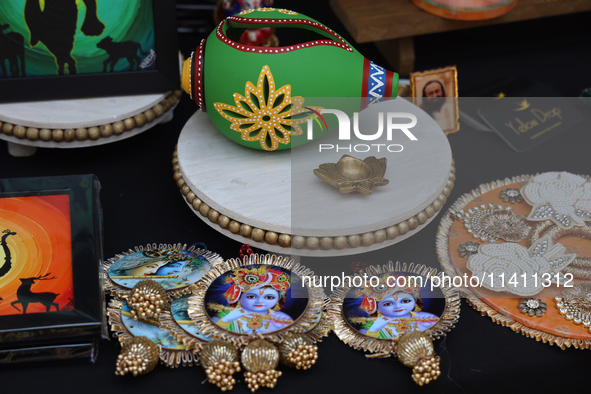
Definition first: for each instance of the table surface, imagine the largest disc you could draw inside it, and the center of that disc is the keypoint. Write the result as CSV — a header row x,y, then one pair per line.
x,y
377,20
142,204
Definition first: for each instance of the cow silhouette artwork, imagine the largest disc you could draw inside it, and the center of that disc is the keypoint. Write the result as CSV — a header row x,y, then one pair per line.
x,y
25,296
12,49
55,26
121,50
7,256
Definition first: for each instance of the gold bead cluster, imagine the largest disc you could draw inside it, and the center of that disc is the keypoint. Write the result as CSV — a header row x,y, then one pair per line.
x,y
255,380
132,363
312,243
95,132
221,373
304,356
426,370
145,305
260,358
139,355
415,350
147,300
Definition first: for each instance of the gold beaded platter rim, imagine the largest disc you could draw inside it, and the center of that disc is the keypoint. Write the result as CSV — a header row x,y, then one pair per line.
x,y
352,337
443,255
310,245
123,292
172,358
91,135
306,323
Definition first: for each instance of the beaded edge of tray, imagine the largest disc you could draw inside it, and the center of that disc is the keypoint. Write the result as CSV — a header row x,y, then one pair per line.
x,y
310,242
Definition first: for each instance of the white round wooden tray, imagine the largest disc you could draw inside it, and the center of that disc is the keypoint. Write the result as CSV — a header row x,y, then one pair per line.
x,y
278,193
76,113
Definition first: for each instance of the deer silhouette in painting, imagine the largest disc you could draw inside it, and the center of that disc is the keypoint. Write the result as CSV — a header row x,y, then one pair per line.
x,y
55,26
7,256
121,50
25,296
12,49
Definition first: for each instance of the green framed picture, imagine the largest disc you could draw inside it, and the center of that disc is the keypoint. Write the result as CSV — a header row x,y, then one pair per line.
x,y
53,49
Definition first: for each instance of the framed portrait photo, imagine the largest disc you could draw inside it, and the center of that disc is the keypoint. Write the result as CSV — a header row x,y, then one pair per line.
x,y
50,252
60,49
436,92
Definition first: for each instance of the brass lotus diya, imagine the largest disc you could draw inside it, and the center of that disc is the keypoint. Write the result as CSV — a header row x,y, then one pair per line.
x,y
351,175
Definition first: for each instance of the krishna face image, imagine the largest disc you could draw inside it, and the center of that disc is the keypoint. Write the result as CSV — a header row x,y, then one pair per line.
x,y
389,309
254,298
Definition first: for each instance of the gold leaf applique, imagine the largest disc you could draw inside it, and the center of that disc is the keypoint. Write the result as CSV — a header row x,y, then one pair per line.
x,y
265,113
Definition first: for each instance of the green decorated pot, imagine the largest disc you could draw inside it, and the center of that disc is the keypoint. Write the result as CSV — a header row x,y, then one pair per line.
x,y
261,97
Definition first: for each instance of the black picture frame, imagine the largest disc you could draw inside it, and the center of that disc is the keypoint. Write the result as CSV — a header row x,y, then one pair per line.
x,y
86,321
165,78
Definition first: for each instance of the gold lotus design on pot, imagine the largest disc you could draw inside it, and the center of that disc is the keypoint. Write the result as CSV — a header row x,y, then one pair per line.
x,y
351,175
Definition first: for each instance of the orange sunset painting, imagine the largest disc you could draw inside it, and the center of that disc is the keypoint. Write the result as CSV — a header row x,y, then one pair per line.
x,y
35,254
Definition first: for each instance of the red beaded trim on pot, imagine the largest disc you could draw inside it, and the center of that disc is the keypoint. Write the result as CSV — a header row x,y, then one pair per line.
x,y
251,48
198,66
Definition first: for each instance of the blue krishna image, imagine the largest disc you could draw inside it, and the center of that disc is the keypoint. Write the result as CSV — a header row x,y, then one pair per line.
x,y
396,305
256,298
172,268
150,329
178,308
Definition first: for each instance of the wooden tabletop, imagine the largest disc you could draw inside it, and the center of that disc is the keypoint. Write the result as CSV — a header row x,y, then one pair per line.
x,y
377,20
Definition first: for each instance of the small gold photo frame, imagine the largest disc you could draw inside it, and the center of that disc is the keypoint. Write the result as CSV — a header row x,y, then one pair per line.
x,y
436,92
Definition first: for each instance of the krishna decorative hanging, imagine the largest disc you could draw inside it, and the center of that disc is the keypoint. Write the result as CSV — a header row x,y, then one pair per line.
x,y
396,309
145,281
262,306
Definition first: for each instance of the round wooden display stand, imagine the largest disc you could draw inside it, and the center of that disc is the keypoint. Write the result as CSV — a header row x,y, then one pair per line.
x,y
273,201
81,122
